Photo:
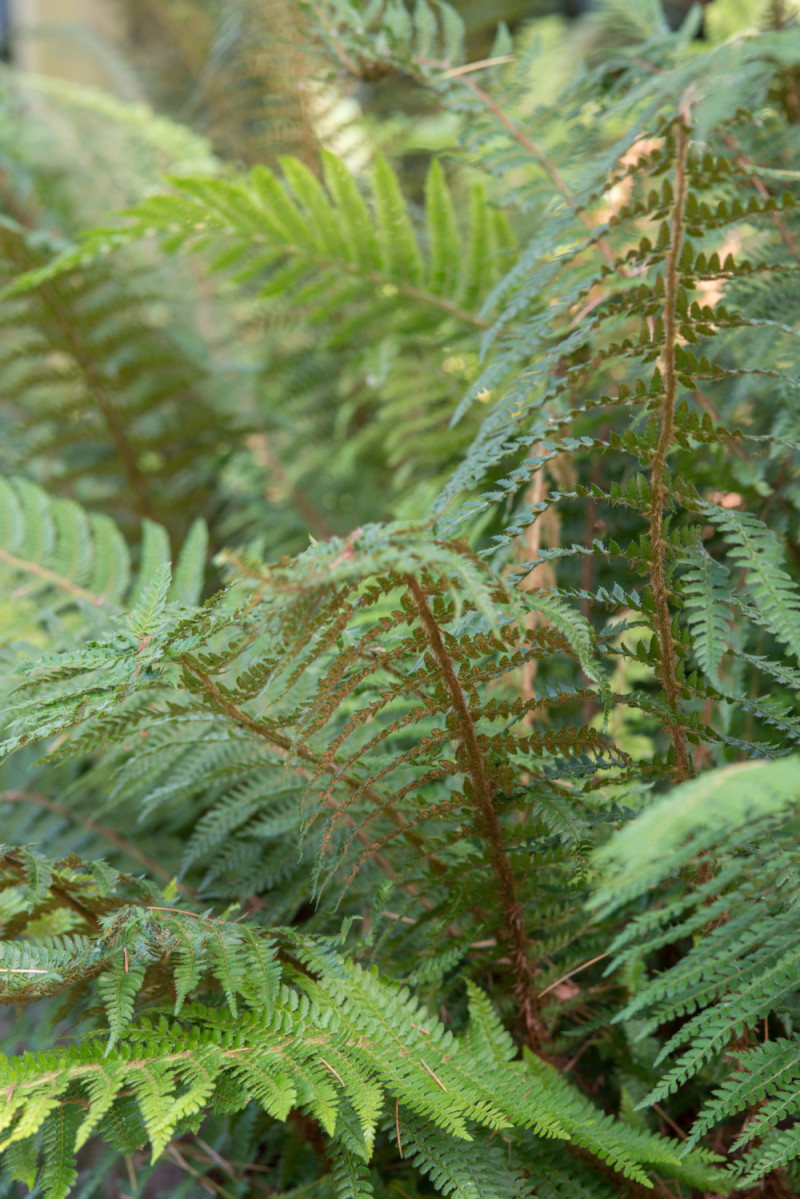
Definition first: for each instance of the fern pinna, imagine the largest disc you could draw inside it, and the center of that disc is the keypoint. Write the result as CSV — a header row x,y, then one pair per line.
x,y
305,864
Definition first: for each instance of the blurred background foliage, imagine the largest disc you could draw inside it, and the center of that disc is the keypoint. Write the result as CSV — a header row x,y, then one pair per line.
x,y
230,89
248,84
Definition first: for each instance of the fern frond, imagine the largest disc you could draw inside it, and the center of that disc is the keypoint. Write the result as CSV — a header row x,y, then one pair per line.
x,y
704,596
321,246
462,1171
774,600
351,1177
92,383
53,552
691,820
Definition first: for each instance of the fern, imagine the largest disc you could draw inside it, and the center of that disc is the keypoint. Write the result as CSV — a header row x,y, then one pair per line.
x,y
741,968
704,595
355,794
92,383
339,1028
771,590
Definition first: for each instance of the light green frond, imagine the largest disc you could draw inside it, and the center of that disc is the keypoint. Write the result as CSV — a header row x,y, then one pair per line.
x,y
61,556
187,583
58,1175
183,149
155,554
102,1086
444,241
486,1036
148,604
118,989
400,254
299,240
356,219
691,819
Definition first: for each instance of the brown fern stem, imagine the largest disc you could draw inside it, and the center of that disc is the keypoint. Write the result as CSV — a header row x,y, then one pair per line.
x,y
100,394
52,577
658,491
102,830
518,942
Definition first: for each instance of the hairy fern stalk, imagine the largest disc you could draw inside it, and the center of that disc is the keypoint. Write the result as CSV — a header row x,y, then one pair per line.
x,y
401,631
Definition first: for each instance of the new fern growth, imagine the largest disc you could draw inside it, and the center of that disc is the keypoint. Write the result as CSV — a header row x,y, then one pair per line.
x,y
453,851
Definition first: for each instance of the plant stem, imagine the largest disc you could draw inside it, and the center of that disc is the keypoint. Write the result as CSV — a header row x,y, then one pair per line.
x,y
99,392
658,494
26,566
787,236
519,944
102,830
535,152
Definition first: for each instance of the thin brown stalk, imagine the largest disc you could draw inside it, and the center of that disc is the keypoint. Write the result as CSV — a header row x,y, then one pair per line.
x,y
538,154
264,455
570,973
25,566
787,237
482,65
96,385
203,1180
102,830
658,489
519,944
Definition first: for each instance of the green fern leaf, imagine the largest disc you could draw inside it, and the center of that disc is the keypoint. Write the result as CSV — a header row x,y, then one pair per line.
x,y
229,964
775,601
151,600
102,1085
690,819
118,989
443,236
357,223
20,1162
461,1171
189,576
350,1175
31,1116
58,1174
155,555
111,568
703,591
400,254
575,628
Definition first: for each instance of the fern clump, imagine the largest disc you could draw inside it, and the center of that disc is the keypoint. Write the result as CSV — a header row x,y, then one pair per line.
x,y
400,622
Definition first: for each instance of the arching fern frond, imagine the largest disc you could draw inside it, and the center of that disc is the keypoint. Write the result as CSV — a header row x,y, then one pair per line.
x,y
744,965
704,593
330,1038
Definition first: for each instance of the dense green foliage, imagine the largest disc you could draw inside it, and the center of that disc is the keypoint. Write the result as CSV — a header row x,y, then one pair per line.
x,y
401,633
